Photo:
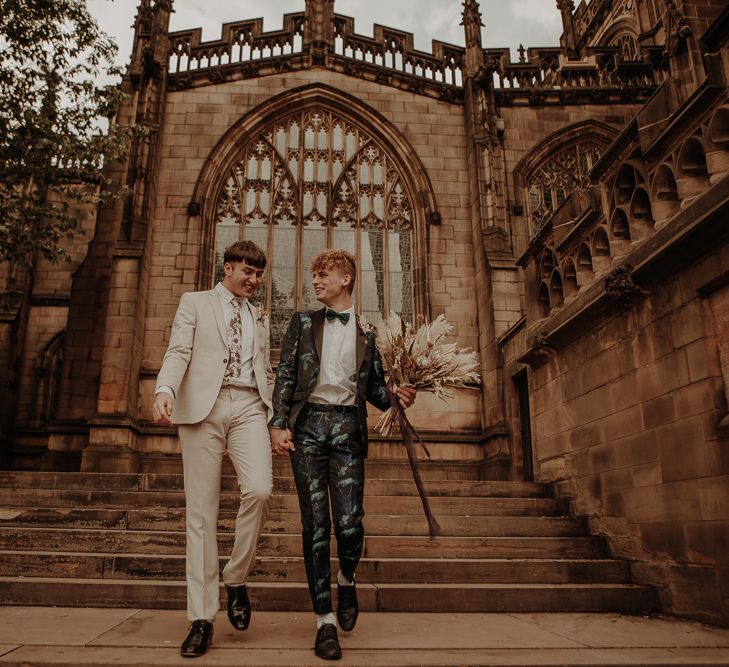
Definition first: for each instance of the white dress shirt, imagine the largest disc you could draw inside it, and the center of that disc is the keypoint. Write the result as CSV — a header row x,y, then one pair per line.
x,y
247,375
337,381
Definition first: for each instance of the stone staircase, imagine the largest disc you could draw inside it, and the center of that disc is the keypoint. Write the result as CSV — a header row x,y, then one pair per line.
x,y
116,540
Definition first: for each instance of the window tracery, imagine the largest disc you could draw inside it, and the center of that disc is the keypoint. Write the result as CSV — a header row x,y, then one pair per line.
x,y
311,181
629,48
550,184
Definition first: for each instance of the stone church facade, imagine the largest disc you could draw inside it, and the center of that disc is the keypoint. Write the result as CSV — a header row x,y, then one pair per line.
x,y
567,212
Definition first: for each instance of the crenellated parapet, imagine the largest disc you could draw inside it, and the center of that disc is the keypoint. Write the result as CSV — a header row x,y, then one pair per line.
x,y
245,50
391,49
243,46
541,76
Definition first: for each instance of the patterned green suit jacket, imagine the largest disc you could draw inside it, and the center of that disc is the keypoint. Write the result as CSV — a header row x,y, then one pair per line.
x,y
298,371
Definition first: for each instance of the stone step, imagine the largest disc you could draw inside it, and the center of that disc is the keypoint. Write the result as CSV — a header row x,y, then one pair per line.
x,y
289,522
278,568
69,500
391,469
384,463
90,482
62,499
270,544
272,596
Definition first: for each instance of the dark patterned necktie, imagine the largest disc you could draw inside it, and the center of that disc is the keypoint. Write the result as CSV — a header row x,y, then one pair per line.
x,y
235,340
334,315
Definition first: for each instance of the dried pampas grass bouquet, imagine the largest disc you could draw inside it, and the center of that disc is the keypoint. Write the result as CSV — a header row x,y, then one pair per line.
x,y
424,360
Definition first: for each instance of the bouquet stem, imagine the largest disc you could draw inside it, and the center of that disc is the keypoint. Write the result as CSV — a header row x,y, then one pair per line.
x,y
409,435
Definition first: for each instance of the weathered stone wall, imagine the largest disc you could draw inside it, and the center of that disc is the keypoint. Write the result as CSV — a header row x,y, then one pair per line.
x,y
47,318
687,65
628,414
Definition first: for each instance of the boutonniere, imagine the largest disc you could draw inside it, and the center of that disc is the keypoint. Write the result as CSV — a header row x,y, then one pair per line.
x,y
260,315
364,325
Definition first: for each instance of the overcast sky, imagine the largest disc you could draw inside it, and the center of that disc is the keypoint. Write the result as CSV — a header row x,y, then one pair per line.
x,y
507,22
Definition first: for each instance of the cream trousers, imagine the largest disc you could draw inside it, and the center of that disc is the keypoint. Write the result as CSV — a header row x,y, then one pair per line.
x,y
236,424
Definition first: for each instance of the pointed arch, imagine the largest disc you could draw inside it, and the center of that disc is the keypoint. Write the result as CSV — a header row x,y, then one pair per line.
x,y
558,164
315,167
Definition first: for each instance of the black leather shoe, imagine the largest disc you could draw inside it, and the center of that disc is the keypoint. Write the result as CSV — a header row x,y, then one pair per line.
x,y
239,607
327,643
347,607
197,640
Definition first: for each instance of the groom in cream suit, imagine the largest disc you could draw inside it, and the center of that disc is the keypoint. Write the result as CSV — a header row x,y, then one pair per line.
x,y
214,385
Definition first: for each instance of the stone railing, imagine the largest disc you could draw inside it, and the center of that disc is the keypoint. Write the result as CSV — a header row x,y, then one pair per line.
x,y
241,43
542,77
393,49
539,76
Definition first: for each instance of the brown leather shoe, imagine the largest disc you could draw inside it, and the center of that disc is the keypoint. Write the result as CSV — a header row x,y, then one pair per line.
x,y
327,643
198,639
239,607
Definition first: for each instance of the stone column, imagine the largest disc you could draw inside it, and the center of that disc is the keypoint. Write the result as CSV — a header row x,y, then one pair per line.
x,y
476,106
112,434
319,31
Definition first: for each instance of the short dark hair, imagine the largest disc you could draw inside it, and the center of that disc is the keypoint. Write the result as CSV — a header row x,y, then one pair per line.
x,y
245,251
336,259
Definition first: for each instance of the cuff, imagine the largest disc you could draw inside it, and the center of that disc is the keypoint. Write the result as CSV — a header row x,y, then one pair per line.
x,y
278,422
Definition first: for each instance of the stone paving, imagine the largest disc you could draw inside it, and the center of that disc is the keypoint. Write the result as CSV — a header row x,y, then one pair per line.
x,y
41,636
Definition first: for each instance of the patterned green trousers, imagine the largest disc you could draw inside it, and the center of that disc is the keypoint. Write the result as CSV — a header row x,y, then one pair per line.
x,y
328,464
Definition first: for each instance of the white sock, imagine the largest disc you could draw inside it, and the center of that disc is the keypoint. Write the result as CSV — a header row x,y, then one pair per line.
x,y
342,580
323,619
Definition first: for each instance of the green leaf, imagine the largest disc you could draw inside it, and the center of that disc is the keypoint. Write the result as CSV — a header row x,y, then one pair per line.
x,y
54,98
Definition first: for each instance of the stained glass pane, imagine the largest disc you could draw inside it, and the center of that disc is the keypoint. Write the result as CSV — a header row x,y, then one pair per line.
x,y
314,241
257,231
226,233
344,239
283,280
401,272
371,270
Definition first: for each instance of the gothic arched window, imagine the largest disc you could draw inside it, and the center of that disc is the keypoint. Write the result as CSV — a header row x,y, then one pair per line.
x,y
311,181
49,367
551,183
627,42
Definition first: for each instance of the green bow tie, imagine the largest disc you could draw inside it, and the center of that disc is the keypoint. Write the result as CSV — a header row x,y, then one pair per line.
x,y
333,315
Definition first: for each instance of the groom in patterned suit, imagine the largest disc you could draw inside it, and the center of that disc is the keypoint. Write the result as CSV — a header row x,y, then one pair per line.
x,y
328,371
214,385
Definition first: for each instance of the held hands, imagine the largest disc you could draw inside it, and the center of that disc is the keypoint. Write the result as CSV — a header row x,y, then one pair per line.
x,y
162,408
281,441
406,395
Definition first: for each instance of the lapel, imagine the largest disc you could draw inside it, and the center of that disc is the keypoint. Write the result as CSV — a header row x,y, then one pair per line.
x,y
219,317
255,328
317,329
361,344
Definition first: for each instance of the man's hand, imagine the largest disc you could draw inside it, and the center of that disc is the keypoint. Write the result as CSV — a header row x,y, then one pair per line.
x,y
162,408
281,441
406,396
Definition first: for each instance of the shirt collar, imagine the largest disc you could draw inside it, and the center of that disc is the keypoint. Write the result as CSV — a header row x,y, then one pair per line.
x,y
227,295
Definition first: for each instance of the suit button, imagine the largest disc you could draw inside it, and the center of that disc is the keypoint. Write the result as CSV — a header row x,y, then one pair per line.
x,y
225,361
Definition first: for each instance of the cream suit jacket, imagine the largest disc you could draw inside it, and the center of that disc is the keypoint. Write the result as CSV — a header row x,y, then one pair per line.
x,y
197,356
